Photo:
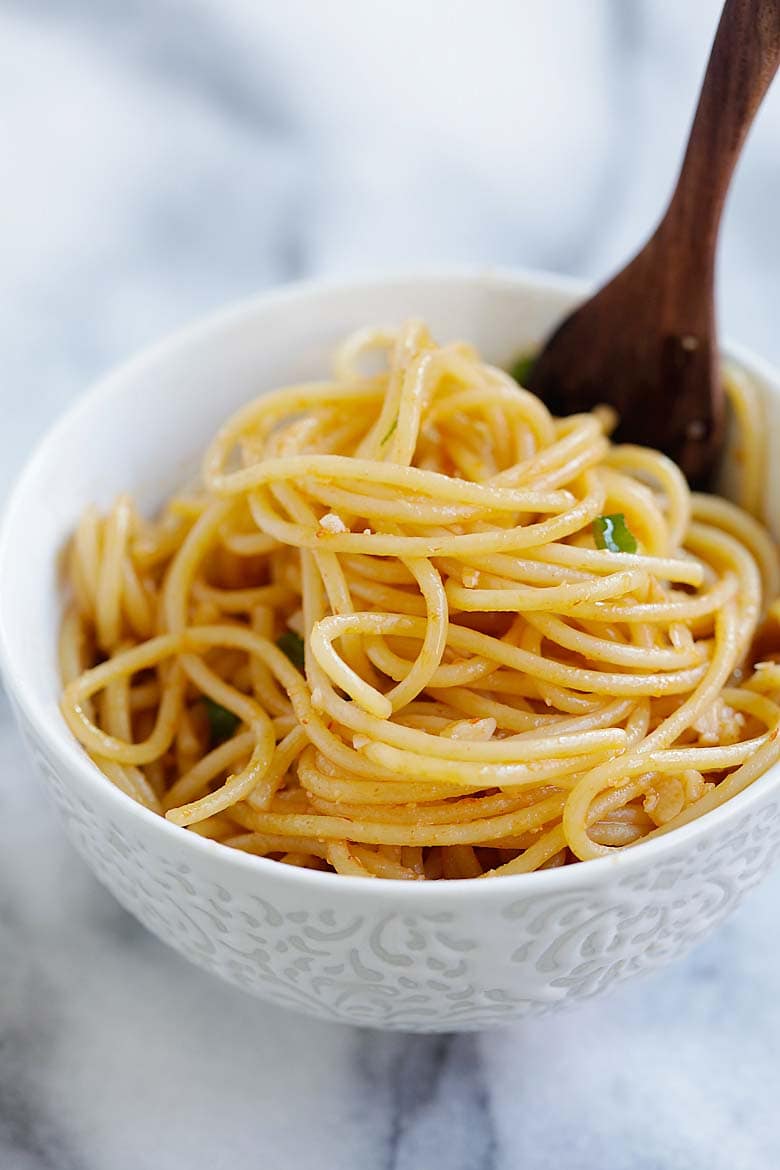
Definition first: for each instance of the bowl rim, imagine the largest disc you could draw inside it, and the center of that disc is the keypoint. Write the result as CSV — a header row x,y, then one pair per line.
x,y
65,748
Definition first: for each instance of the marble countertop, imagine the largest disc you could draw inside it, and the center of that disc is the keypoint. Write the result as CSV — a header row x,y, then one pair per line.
x,y
156,161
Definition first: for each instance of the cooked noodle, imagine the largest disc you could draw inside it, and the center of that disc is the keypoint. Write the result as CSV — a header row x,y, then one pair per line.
x,y
485,690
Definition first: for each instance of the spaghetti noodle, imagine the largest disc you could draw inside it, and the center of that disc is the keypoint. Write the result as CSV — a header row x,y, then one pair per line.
x,y
392,634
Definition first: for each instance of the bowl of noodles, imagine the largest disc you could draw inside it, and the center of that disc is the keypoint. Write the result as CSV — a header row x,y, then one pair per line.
x,y
376,690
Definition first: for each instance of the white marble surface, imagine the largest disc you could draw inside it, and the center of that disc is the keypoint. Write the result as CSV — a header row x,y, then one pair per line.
x,y
155,161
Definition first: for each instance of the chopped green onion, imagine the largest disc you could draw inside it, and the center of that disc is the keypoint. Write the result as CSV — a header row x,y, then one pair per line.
x,y
521,367
222,723
613,534
292,645
391,432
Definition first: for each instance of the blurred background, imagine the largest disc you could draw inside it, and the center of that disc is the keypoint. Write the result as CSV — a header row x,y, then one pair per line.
x,y
161,157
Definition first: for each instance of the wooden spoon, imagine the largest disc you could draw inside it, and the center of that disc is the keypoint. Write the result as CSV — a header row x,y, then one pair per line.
x,y
646,343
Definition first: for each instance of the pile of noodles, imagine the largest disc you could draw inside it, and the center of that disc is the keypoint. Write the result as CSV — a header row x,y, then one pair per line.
x,y
485,691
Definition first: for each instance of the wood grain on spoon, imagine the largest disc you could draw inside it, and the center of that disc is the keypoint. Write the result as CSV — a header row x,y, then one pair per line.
x,y
646,343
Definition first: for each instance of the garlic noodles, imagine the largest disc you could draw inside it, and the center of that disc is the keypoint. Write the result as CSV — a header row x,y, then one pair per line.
x,y
410,625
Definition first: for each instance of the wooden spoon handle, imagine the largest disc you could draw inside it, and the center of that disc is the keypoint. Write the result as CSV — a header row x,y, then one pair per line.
x,y
744,58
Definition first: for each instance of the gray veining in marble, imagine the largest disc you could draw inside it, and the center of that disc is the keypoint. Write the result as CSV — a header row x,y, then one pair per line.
x,y
160,157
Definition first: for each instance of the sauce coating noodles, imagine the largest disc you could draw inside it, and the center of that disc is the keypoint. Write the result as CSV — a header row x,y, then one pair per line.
x,y
485,690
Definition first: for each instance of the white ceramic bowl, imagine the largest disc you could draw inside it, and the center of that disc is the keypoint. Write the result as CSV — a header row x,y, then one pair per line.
x,y
444,956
